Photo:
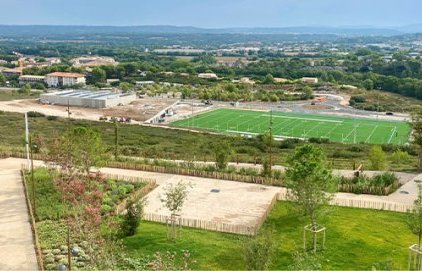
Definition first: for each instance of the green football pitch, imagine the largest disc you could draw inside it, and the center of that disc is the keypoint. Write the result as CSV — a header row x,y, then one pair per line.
x,y
295,125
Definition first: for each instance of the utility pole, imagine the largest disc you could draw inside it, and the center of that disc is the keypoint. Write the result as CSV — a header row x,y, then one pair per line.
x,y
27,139
378,103
68,110
271,139
31,148
116,139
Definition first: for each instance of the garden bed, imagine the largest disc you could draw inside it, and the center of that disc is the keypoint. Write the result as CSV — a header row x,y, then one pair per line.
x,y
382,185
52,214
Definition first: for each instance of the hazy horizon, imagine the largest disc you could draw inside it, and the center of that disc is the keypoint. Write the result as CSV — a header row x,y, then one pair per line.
x,y
213,13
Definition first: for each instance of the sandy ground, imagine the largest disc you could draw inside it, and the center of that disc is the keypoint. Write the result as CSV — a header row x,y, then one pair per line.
x,y
138,110
231,204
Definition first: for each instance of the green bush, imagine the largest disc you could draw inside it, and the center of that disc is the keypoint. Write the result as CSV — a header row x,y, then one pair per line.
x,y
132,218
34,114
318,140
52,118
289,143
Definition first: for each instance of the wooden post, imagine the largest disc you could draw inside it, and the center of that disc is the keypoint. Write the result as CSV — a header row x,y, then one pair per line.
x,y
69,256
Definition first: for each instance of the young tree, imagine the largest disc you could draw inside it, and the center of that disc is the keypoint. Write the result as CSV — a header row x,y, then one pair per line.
x,y
258,252
377,158
173,199
87,148
222,155
417,132
414,222
414,217
268,140
26,89
305,261
98,76
310,183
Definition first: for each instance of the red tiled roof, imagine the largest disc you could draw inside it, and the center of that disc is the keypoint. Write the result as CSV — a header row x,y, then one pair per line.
x,y
65,74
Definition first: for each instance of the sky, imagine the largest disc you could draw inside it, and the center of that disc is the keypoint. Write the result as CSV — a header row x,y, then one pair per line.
x,y
213,13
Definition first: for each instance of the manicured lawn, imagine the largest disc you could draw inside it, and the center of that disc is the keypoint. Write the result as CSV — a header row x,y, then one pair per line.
x,y
356,239
337,129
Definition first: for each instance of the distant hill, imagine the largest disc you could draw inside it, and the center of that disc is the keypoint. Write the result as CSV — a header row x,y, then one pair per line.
x,y
48,30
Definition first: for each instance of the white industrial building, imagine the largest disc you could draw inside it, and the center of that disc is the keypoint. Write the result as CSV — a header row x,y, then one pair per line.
x,y
58,79
86,98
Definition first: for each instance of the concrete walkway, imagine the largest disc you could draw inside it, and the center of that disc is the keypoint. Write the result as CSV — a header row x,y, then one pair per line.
x,y
16,241
405,195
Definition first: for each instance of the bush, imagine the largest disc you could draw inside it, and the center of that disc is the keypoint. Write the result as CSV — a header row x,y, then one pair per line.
x,y
319,140
52,117
400,157
344,154
377,158
132,218
34,114
289,143
389,147
357,99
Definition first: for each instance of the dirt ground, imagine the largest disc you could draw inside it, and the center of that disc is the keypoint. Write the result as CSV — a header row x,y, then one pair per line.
x,y
139,110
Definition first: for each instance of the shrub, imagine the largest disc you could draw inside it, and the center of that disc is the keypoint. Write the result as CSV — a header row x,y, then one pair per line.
x,y
319,140
289,143
34,114
344,154
377,158
400,157
132,218
52,117
357,99
389,147
356,148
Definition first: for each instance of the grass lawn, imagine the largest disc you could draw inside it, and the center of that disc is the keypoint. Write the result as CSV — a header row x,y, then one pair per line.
x,y
356,239
338,129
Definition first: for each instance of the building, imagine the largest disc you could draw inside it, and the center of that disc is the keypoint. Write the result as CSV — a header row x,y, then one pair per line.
x,y
86,98
208,76
94,61
246,81
144,83
310,80
12,72
280,80
59,79
31,79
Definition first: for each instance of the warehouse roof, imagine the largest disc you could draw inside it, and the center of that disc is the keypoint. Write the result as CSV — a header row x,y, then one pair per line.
x,y
87,94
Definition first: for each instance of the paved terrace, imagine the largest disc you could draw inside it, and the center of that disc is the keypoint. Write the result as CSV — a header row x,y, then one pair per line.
x,y
239,203
16,241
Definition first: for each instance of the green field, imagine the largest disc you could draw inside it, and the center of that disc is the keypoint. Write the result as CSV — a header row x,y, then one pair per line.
x,y
286,125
